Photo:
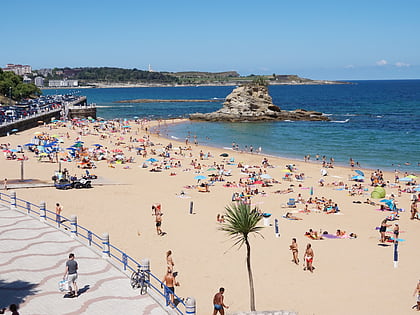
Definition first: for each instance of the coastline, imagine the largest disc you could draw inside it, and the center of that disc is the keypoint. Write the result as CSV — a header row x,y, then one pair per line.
x,y
204,256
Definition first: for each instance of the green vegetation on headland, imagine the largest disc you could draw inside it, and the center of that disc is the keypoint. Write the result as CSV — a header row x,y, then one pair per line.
x,y
107,76
12,88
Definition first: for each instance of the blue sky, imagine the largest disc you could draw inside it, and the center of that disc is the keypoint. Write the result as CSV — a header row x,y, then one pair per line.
x,y
369,39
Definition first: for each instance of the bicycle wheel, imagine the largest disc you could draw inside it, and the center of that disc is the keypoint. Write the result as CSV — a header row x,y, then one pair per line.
x,y
143,287
134,280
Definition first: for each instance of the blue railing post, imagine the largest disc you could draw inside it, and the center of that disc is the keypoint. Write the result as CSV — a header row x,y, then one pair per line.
x,y
124,261
190,305
42,212
73,223
13,200
105,246
28,207
89,236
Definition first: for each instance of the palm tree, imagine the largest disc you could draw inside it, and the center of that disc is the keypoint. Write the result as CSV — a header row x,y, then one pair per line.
x,y
240,221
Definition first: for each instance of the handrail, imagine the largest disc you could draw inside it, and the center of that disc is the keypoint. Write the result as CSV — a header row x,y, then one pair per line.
x,y
128,263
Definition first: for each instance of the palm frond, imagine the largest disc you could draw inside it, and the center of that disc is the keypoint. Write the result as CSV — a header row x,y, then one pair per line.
x,y
240,221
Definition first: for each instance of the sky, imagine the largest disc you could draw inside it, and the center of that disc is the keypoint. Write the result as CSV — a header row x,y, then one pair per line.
x,y
331,40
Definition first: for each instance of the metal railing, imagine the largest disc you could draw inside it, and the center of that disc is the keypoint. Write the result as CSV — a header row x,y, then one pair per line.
x,y
127,263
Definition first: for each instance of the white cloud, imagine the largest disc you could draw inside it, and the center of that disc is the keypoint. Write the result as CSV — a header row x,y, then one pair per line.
x,y
382,62
401,64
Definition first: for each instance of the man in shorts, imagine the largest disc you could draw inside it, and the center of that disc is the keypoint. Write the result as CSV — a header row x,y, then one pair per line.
x,y
218,302
417,291
170,282
71,273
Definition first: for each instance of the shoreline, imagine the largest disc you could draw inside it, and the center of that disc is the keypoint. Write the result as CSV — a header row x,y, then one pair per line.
x,y
296,159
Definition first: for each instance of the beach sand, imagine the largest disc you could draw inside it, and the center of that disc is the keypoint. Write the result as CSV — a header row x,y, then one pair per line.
x,y
351,275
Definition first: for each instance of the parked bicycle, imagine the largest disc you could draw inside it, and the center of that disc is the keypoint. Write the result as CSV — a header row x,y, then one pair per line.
x,y
138,280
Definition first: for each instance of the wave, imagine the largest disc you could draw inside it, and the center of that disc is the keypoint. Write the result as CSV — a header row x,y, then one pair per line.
x,y
340,121
175,138
349,115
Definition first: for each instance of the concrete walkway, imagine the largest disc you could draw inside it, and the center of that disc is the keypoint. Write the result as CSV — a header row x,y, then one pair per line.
x,y
32,262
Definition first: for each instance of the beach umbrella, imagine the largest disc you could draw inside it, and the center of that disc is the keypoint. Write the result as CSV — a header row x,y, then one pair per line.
x,y
211,169
77,145
360,172
417,189
224,154
199,177
285,171
266,176
28,144
152,160
412,176
357,177
126,126
15,130
406,179
98,145
312,191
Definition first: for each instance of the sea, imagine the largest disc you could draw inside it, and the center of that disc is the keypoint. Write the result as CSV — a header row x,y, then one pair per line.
x,y
376,123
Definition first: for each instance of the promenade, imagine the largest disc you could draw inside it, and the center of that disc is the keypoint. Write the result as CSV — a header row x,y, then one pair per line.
x,y
32,262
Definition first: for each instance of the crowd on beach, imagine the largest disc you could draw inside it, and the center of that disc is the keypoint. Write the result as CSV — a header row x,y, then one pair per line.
x,y
123,144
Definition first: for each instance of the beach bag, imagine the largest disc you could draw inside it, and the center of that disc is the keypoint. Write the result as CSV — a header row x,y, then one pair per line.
x,y
63,285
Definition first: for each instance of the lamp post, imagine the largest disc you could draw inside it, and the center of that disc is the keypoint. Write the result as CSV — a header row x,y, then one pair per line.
x,y
10,95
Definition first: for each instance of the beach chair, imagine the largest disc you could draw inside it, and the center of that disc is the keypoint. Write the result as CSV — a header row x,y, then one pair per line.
x,y
291,203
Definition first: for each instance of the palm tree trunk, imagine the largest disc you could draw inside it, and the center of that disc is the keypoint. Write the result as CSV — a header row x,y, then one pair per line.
x,y
250,278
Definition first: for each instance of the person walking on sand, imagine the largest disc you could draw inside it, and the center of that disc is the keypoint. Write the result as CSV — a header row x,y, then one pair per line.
x,y
71,273
218,302
5,184
417,291
158,223
170,282
294,249
309,258
170,261
58,210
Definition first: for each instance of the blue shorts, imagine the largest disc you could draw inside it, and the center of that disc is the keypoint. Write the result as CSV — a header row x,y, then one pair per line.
x,y
218,307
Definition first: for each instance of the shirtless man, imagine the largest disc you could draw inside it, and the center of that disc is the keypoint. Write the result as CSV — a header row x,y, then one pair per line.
x,y
218,302
158,223
309,258
58,210
170,282
417,291
396,232
294,249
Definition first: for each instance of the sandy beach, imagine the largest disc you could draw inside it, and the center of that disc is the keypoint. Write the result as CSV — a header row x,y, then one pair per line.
x,y
351,276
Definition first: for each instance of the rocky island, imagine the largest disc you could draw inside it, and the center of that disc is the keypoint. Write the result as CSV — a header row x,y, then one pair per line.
x,y
252,102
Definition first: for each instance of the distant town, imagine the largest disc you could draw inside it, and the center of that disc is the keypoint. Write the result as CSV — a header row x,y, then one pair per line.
x,y
108,76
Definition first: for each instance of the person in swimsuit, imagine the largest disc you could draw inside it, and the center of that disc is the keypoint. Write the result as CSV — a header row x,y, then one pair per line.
x,y
396,232
417,291
294,249
309,258
169,260
170,282
382,230
218,302
158,223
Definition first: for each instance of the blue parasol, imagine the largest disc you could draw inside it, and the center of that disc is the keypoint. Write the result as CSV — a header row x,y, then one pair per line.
x,y
360,172
199,177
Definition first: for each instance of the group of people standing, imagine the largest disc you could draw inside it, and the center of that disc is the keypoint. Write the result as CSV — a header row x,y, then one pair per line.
x,y
308,256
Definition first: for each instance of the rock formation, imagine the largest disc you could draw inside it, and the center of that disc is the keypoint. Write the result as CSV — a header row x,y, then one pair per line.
x,y
252,102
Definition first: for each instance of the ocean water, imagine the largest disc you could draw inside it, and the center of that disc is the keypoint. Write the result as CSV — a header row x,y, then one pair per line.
x,y
377,123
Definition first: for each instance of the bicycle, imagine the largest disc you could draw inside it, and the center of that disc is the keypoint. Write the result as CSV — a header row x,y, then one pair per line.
x,y
138,280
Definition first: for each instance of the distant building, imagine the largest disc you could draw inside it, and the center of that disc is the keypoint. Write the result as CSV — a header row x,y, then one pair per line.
x,y
26,79
44,72
63,83
39,81
18,69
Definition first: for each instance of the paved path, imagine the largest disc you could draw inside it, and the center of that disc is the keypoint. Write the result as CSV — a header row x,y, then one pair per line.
x,y
32,261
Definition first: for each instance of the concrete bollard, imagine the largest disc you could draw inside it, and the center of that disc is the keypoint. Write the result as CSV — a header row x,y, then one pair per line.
x,y
13,200
190,305
43,212
191,207
73,223
105,246
145,266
